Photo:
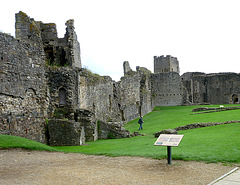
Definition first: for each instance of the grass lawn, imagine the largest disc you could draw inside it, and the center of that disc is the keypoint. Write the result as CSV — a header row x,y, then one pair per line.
x,y
212,144
7,141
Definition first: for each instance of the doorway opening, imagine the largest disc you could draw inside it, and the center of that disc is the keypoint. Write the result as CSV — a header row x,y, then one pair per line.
x,y
235,98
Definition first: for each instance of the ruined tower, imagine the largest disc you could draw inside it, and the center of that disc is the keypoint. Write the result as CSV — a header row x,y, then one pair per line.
x,y
166,64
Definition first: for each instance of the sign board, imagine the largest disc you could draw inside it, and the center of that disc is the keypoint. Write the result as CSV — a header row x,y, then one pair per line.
x,y
168,140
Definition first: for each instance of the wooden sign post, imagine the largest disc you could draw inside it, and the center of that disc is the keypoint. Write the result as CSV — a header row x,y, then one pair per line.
x,y
168,140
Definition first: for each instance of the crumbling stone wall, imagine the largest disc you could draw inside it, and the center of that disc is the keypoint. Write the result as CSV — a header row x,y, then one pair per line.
x,y
221,88
41,77
23,90
116,101
134,92
63,83
126,67
65,133
112,130
59,51
191,94
96,94
129,97
199,90
27,29
88,121
145,91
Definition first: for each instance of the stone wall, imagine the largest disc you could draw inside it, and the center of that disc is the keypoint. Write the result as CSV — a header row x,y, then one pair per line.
x,y
166,64
112,130
41,77
88,121
96,93
221,88
65,133
199,91
27,29
129,97
166,89
116,101
59,51
23,90
63,84
189,75
145,91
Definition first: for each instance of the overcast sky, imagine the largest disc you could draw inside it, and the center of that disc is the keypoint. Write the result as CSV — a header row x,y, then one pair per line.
x,y
203,34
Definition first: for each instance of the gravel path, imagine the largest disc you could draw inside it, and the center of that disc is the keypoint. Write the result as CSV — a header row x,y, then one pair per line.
x,y
19,166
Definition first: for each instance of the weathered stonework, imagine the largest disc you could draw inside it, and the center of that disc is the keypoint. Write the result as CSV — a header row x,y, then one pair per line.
x,y
23,90
65,133
166,89
41,78
112,130
166,64
221,88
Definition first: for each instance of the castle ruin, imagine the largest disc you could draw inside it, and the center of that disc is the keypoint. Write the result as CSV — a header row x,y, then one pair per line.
x,y
46,95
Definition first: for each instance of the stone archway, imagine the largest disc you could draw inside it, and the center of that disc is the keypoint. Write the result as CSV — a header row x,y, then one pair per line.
x,y
62,97
234,98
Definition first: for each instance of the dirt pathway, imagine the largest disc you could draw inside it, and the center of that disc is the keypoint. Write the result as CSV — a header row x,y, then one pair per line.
x,y
37,167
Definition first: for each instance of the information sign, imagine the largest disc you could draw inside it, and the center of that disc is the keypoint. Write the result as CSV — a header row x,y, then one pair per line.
x,y
168,140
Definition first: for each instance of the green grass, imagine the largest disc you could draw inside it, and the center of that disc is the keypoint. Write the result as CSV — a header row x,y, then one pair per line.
x,y
212,144
7,141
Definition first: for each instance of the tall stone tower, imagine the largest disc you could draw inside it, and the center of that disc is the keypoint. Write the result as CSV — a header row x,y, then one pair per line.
x,y
166,64
58,51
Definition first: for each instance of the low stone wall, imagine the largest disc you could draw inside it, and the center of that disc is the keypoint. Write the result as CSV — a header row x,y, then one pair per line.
x,y
65,133
199,125
112,130
191,126
165,131
212,109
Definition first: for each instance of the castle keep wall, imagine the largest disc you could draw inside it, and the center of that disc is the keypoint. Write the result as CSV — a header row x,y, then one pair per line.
x,y
62,83
23,89
164,64
166,89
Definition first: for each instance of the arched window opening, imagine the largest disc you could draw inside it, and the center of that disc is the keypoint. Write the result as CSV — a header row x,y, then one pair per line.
x,y
63,60
234,98
62,97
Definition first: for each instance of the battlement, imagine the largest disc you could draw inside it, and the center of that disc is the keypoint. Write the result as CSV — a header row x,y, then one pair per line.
x,y
166,64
